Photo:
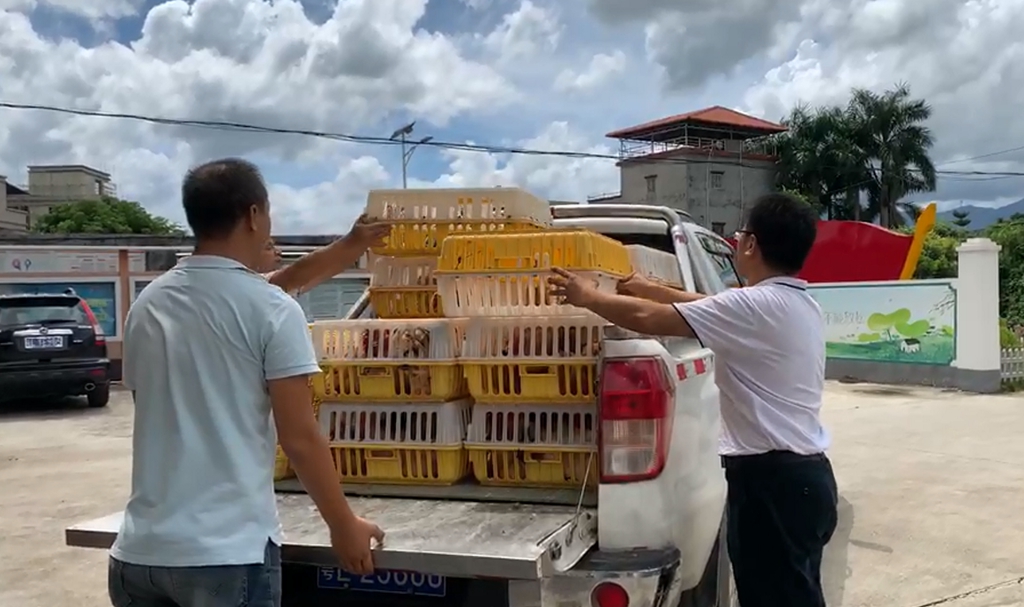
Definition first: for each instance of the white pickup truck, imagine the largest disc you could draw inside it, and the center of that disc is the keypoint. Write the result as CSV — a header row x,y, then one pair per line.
x,y
652,533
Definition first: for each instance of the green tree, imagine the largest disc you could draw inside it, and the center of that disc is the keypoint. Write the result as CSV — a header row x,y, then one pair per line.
x,y
104,216
875,148
1009,234
961,218
939,256
818,158
889,130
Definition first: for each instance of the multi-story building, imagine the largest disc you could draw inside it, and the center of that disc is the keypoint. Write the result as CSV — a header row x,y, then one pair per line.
x,y
11,220
53,185
710,163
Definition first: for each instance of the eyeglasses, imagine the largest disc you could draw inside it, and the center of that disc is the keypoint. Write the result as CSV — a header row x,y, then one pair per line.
x,y
741,232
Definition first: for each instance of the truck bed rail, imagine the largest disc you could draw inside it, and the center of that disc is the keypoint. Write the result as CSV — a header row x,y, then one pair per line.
x,y
458,539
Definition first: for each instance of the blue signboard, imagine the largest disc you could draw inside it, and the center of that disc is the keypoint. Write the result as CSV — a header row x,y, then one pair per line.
x,y
102,297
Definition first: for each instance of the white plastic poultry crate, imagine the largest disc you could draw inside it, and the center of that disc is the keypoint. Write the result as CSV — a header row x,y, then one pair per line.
x,y
533,444
659,266
405,287
513,293
399,444
533,359
551,339
403,272
387,341
422,218
443,424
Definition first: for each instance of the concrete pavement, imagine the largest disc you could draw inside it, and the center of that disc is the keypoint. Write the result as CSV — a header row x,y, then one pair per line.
x,y
932,492
931,485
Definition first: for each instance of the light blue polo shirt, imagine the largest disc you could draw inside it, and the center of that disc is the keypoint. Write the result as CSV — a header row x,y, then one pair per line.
x,y
200,344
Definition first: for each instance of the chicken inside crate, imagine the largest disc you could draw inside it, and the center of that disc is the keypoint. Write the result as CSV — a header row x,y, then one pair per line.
x,y
390,360
533,359
538,445
398,443
422,218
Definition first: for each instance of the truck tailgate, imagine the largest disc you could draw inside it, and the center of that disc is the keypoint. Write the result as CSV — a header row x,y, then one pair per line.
x,y
451,538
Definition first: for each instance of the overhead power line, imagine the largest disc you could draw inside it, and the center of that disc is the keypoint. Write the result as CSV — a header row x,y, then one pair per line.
x,y
222,125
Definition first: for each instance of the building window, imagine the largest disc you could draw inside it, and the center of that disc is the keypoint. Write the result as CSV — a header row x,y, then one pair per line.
x,y
717,180
652,186
718,227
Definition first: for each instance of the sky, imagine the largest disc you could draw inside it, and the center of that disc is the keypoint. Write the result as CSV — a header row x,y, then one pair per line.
x,y
537,74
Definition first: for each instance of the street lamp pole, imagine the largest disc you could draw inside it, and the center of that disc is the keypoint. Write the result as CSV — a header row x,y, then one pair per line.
x,y
407,150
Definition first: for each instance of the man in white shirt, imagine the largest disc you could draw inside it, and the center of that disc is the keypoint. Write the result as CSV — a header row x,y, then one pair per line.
x,y
768,338
218,362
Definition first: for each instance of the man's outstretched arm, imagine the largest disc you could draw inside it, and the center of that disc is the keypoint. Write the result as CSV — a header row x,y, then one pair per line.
x,y
331,260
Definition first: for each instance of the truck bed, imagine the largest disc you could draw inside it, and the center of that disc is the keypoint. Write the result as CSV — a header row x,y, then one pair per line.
x,y
451,538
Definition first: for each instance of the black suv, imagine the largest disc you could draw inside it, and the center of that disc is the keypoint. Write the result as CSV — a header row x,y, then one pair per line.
x,y
51,346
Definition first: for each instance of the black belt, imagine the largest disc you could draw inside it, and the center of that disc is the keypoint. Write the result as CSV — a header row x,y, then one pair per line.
x,y
771,458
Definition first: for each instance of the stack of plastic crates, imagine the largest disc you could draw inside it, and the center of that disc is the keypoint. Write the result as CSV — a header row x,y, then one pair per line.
x,y
394,399
402,284
531,361
658,266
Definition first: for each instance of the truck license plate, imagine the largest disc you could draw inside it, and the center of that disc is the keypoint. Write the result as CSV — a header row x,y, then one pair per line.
x,y
50,342
383,580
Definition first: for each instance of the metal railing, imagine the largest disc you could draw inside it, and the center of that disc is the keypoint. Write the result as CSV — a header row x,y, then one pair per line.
x,y
1011,367
603,196
631,148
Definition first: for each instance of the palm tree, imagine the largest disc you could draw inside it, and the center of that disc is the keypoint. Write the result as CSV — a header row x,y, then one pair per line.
x,y
819,157
894,144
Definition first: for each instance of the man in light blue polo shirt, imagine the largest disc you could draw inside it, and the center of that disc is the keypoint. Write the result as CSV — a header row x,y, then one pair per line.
x,y
216,357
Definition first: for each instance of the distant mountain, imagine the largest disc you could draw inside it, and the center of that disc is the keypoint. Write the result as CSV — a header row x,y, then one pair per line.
x,y
982,217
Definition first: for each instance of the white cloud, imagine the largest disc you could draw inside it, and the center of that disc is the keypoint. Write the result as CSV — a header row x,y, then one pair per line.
x,y
601,69
524,34
242,61
557,177
329,206
963,57
106,9
504,72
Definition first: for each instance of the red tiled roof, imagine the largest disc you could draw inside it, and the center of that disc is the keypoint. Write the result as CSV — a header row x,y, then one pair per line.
x,y
714,115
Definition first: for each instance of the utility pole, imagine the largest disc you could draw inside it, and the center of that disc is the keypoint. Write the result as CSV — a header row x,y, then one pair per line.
x,y
402,135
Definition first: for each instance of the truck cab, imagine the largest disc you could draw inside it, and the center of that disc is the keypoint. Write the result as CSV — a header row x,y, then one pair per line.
x,y
650,535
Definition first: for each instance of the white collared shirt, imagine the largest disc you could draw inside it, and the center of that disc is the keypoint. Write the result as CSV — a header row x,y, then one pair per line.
x,y
201,342
769,344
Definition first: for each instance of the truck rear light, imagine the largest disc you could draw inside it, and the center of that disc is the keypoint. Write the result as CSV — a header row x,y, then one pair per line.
x,y
636,408
97,329
609,594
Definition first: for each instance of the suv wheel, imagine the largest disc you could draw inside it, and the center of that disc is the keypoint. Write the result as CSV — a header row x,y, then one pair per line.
x,y
100,396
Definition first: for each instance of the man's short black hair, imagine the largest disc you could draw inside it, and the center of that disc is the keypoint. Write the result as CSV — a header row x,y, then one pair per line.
x,y
785,228
218,194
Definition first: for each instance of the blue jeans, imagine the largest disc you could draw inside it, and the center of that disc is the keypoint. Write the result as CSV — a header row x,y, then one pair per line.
x,y
257,585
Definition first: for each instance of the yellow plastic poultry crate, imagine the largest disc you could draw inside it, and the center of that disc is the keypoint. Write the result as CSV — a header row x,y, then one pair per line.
x,y
404,287
506,275
389,360
421,219
435,382
552,360
573,249
533,445
400,444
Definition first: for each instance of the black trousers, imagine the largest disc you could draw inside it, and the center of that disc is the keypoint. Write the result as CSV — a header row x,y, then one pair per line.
x,y
781,512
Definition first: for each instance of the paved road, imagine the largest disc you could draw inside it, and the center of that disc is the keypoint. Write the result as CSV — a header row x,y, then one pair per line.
x,y
931,483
